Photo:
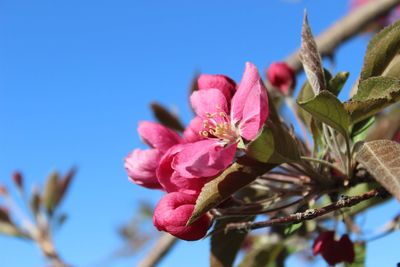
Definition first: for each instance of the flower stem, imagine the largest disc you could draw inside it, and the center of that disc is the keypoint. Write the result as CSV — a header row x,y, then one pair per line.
x,y
326,163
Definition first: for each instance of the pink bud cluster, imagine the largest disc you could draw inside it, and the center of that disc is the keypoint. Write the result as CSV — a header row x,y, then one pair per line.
x,y
226,115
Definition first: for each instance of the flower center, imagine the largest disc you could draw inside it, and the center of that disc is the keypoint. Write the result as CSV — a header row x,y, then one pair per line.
x,y
218,125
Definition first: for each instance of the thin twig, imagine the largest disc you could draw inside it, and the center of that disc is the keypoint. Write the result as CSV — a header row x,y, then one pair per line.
x,y
247,212
324,162
161,248
344,29
307,215
292,107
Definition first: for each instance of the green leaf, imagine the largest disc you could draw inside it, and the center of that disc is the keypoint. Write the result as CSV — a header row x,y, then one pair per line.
x,y
319,142
359,131
35,203
10,229
381,51
289,230
360,252
265,254
373,95
64,184
306,93
326,108
225,246
335,85
273,145
51,193
311,59
381,158
231,180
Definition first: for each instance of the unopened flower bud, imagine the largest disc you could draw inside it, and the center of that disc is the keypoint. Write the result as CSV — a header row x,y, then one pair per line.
x,y
4,215
18,179
221,82
172,213
396,137
282,76
334,251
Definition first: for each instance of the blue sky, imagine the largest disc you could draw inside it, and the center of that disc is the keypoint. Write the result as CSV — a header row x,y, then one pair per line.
x,y
77,76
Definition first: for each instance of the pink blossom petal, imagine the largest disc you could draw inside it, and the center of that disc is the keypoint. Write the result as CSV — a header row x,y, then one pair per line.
x,y
172,213
206,102
192,132
141,166
204,158
221,82
255,111
158,136
172,181
177,183
249,79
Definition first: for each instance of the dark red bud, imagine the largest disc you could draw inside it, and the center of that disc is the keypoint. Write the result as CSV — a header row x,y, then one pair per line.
x,y
18,179
4,215
334,251
396,137
347,247
282,76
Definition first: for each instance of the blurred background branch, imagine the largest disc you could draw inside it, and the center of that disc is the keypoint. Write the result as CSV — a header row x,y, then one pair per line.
x,y
344,29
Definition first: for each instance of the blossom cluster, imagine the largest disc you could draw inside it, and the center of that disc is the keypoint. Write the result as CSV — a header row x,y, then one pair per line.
x,y
228,116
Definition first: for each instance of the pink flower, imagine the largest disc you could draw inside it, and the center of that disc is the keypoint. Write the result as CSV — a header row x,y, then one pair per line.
x,y
334,251
221,82
172,213
191,133
206,81
173,181
140,164
225,123
282,76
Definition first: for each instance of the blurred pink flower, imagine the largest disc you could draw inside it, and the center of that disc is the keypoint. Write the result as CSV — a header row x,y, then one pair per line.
x,y
334,251
172,213
140,164
281,76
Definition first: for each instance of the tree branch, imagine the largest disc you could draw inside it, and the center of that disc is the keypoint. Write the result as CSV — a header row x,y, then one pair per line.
x,y
308,214
161,248
349,26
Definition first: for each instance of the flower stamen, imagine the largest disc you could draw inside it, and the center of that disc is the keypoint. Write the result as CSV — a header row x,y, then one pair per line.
x,y
218,125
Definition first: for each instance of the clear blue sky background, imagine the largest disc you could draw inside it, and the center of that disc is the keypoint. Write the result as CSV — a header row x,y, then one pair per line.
x,y
77,76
